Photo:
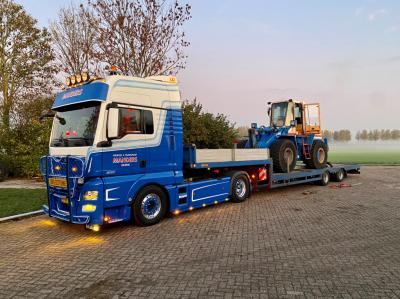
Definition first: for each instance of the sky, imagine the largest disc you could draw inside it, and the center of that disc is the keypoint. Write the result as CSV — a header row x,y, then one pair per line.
x,y
243,54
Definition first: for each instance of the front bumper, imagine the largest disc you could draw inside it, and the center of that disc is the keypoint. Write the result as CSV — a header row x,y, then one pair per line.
x,y
66,216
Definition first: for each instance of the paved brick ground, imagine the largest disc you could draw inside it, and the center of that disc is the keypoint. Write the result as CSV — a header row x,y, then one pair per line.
x,y
302,241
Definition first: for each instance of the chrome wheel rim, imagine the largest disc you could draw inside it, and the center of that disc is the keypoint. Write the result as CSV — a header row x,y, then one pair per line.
x,y
240,188
288,155
325,177
321,155
151,206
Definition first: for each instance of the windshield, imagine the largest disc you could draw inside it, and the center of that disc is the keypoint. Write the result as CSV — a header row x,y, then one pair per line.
x,y
75,125
278,114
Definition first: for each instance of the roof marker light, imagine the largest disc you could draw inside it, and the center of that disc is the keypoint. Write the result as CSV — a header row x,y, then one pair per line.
x,y
78,78
85,76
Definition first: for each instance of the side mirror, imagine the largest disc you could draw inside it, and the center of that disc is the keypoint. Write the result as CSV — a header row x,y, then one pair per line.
x,y
113,124
46,114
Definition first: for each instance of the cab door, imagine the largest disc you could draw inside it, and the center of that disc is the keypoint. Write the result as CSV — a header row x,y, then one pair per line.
x,y
128,154
312,119
161,142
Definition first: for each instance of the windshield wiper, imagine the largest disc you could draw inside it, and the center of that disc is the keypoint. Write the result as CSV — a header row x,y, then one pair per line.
x,y
84,139
59,142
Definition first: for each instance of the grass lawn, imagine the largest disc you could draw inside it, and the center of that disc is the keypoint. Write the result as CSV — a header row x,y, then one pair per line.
x,y
376,157
16,201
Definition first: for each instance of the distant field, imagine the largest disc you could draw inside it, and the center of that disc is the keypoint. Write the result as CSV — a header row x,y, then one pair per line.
x,y
365,154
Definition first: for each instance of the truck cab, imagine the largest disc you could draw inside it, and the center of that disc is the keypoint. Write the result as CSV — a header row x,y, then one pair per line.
x,y
116,154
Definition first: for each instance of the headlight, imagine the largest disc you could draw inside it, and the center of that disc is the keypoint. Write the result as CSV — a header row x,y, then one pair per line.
x,y
90,195
88,208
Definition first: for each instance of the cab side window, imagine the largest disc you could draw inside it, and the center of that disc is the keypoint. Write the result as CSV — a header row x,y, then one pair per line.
x,y
135,121
298,114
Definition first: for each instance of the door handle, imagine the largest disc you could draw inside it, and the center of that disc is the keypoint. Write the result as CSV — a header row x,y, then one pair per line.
x,y
142,163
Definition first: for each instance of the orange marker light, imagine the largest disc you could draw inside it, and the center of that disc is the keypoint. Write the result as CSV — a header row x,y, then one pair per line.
x,y
215,202
203,205
176,212
74,169
190,208
106,218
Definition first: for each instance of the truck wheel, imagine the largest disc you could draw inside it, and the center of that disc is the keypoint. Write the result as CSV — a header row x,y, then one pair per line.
x,y
324,178
240,187
339,175
284,153
149,206
319,155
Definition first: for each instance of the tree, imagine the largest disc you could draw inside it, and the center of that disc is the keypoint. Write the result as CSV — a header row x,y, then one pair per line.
x,y
243,131
74,37
358,136
375,135
26,60
142,37
395,134
327,134
205,129
28,139
364,135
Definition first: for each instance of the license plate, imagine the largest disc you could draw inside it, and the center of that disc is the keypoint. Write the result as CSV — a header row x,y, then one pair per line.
x,y
57,182
65,201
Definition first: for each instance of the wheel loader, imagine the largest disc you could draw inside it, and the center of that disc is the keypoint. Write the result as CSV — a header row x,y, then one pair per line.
x,y
294,134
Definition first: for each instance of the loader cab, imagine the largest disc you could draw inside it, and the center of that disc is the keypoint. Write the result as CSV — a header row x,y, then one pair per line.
x,y
304,117
282,114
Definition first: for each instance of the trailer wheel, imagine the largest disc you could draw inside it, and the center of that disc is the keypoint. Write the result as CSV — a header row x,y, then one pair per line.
x,y
240,187
339,175
284,154
149,206
324,178
319,155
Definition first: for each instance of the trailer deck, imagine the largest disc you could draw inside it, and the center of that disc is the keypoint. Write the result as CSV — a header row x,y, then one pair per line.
x,y
303,175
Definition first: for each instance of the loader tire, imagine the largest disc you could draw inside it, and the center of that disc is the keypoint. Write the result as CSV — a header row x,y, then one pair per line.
x,y
319,156
284,154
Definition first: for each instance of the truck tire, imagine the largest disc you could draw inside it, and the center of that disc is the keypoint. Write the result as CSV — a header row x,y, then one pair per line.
x,y
339,175
281,151
324,178
149,206
240,186
319,155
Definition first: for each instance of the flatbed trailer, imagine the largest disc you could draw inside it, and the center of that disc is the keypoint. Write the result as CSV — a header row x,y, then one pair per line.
x,y
241,158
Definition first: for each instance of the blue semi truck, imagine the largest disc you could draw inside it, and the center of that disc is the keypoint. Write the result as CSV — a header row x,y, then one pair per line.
x,y
116,154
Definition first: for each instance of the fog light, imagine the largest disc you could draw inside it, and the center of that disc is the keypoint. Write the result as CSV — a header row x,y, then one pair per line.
x,y
90,195
94,227
88,208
